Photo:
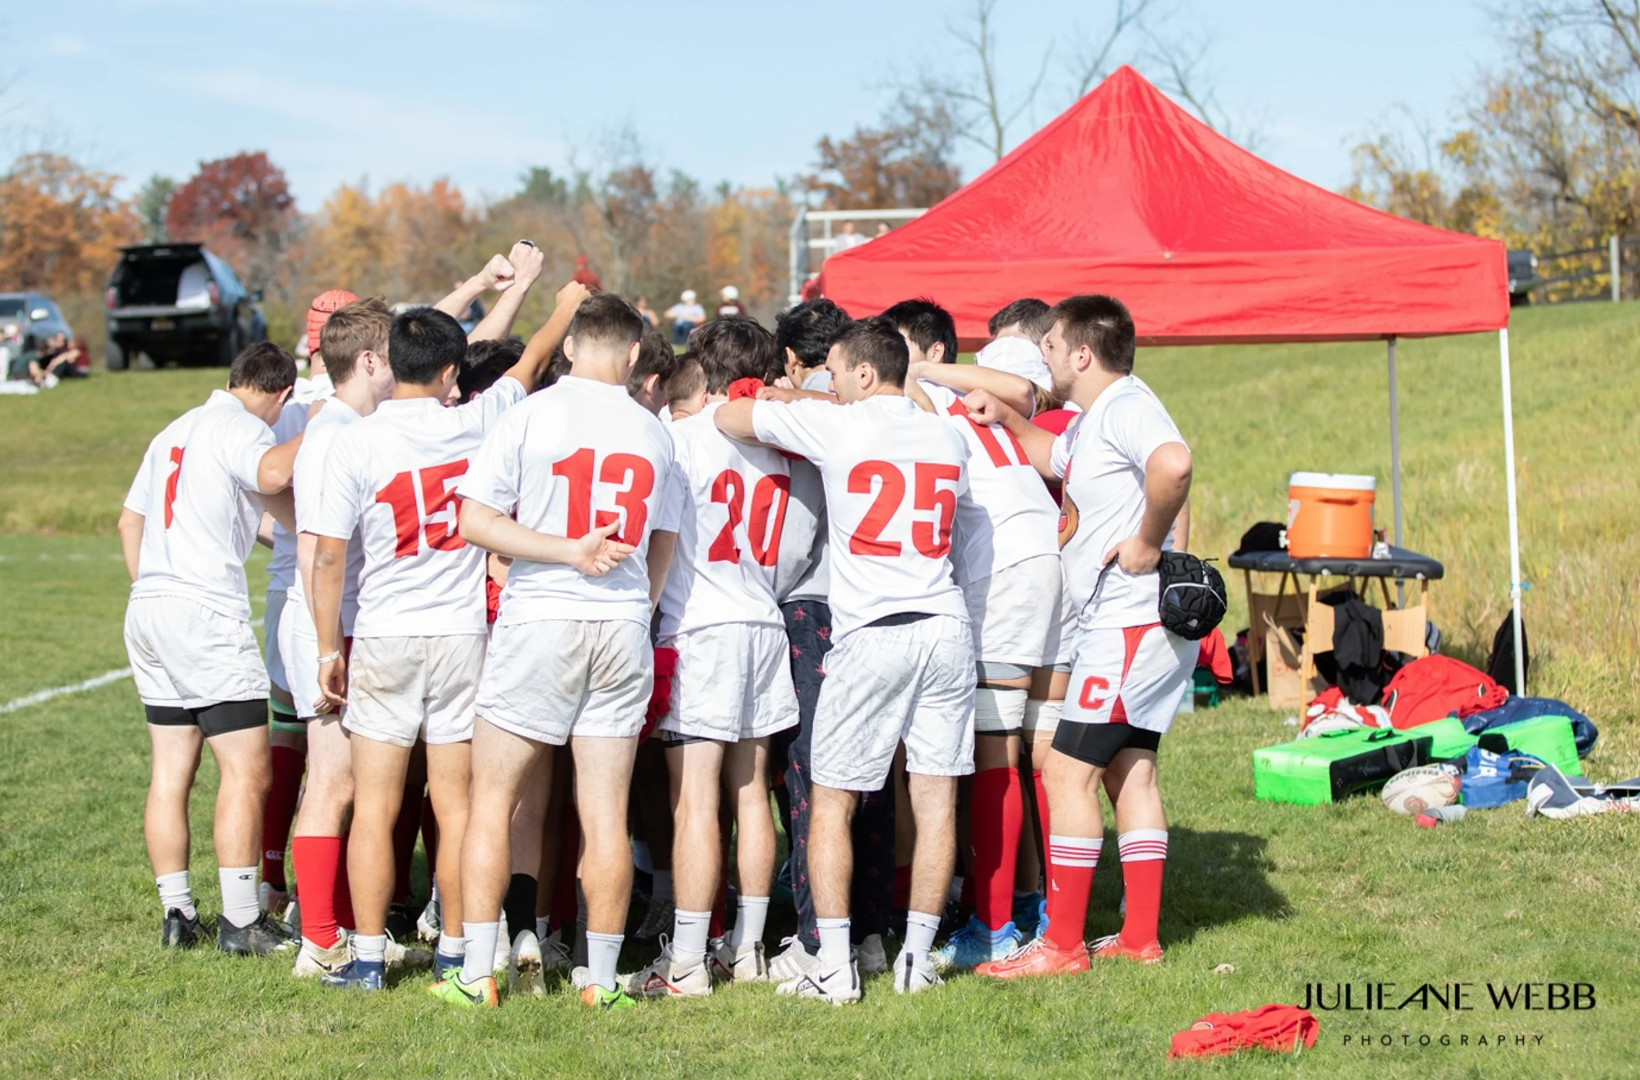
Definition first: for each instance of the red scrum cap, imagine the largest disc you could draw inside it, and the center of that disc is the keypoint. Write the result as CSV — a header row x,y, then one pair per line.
x,y
319,313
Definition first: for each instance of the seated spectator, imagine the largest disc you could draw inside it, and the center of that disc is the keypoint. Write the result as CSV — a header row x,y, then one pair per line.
x,y
685,315
648,313
57,359
846,239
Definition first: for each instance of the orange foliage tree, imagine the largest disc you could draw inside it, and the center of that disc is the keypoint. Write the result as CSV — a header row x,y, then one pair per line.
x,y
60,225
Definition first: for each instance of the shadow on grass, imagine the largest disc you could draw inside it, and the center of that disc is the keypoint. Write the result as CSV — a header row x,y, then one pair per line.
x,y
1212,879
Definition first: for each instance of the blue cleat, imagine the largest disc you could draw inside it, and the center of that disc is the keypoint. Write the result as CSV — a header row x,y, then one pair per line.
x,y
1030,914
446,967
976,944
356,975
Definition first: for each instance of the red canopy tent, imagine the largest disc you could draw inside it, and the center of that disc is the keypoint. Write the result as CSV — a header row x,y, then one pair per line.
x,y
1126,193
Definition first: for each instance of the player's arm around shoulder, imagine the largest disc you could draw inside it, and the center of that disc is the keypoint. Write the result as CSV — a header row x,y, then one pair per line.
x,y
985,407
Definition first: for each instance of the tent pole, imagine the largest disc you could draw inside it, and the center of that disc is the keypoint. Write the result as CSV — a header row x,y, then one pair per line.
x,y
1514,512
1395,458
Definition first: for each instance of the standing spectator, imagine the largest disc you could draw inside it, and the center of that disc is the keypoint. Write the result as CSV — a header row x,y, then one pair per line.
x,y
685,315
731,304
882,229
846,239
648,313
586,275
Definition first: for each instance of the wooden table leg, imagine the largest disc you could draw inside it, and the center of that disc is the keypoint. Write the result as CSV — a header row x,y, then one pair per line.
x,y
1306,665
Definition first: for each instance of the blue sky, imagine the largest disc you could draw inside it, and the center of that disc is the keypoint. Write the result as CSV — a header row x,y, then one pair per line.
x,y
343,90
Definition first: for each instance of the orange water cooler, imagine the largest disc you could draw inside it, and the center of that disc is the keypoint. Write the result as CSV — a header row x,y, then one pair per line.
x,y
1329,515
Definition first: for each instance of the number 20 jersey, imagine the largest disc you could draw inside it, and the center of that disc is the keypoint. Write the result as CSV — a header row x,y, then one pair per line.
x,y
577,456
896,481
393,477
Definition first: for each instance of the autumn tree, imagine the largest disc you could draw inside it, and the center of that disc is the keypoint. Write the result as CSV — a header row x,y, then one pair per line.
x,y
241,208
61,225
152,203
907,160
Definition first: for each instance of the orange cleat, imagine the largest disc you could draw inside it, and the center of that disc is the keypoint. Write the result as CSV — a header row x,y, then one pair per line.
x,y
1114,948
1036,959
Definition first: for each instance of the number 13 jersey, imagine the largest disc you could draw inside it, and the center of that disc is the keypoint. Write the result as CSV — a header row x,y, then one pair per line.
x,y
578,455
896,482
393,476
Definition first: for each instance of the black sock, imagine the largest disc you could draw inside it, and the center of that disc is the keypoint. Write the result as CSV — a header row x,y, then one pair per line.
x,y
519,906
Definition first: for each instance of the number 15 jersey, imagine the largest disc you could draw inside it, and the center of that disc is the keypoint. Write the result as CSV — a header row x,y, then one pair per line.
x,y
393,476
896,482
579,455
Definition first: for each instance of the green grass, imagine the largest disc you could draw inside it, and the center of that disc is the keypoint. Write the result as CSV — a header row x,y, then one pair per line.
x,y
1286,895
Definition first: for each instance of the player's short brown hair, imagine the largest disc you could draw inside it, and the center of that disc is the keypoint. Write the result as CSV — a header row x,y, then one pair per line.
x,y
263,366
876,341
688,380
1028,313
606,319
352,329
655,357
1103,324
734,347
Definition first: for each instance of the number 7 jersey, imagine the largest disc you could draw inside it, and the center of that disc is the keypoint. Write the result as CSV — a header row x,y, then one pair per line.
x,y
393,477
896,482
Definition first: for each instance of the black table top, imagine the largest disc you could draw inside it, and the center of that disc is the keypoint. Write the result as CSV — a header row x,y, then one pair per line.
x,y
1400,564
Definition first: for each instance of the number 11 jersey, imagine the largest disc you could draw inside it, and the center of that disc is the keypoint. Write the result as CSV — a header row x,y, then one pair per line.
x,y
579,455
393,476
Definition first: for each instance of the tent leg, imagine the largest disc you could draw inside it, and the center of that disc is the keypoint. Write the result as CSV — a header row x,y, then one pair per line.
x,y
1514,511
1395,457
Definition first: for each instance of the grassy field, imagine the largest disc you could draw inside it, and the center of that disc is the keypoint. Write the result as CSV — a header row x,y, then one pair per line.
x,y
1287,896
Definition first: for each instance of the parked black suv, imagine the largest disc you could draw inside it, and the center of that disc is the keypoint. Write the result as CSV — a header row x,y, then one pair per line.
x,y
178,303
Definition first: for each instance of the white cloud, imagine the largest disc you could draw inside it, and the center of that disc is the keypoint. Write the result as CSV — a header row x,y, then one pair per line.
x,y
65,45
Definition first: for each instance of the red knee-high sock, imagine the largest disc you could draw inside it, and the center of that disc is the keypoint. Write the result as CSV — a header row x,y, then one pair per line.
x,y
343,896
1071,860
1144,854
280,810
999,811
318,860
564,902
902,887
720,903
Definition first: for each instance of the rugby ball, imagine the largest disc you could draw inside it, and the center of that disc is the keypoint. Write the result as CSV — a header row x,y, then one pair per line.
x,y
1413,791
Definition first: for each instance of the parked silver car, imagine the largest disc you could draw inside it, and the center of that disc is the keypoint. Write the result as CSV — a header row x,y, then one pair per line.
x,y
27,321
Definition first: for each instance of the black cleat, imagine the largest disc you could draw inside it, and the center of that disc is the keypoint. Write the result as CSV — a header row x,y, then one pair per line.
x,y
180,932
261,937
401,922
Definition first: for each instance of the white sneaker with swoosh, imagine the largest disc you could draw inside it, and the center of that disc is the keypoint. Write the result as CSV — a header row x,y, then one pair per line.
x,y
835,984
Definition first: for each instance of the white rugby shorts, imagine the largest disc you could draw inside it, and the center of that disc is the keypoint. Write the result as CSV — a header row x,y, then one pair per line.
x,y
1133,675
299,650
1061,645
912,682
554,678
732,682
187,655
400,689
1013,612
272,655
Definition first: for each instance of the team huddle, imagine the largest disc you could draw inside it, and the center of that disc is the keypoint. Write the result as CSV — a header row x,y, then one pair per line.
x,y
523,594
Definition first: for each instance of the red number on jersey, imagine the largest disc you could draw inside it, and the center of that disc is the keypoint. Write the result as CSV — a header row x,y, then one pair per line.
x,y
728,489
171,483
866,539
930,538
933,538
635,474
435,482
769,498
988,439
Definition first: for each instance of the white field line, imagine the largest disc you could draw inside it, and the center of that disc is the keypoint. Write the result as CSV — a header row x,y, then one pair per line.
x,y
40,697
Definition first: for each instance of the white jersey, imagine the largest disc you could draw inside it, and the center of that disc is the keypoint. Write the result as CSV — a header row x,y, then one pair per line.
x,y
1101,459
733,512
1020,518
896,481
307,485
579,454
199,520
392,476
291,423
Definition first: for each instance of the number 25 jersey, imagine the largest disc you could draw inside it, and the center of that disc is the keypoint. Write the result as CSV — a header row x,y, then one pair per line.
x,y
393,476
896,481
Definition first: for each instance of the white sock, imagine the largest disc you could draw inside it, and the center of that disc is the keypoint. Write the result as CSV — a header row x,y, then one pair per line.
x,y
749,921
689,929
175,893
603,953
833,941
451,946
663,885
370,948
920,928
541,927
954,893
640,857
239,904
478,962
